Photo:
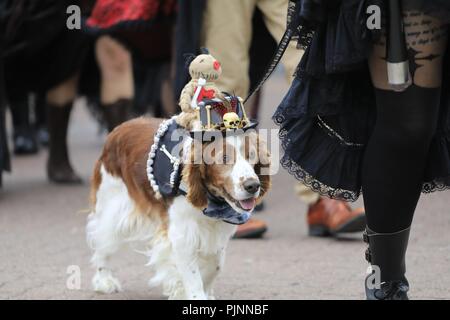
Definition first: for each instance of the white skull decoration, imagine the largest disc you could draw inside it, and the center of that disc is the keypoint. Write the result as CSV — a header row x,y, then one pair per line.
x,y
231,120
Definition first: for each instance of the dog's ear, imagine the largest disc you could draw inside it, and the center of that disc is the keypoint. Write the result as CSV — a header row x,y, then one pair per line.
x,y
262,167
196,193
193,175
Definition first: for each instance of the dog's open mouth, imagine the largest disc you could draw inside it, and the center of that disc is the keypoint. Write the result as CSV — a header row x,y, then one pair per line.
x,y
247,204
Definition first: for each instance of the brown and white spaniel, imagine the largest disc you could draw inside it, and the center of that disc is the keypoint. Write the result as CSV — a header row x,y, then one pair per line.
x,y
186,248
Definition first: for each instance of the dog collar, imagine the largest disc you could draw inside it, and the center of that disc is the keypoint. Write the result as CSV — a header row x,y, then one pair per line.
x,y
218,208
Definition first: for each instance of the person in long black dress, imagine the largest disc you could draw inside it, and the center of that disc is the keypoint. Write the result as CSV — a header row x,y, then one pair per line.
x,y
346,128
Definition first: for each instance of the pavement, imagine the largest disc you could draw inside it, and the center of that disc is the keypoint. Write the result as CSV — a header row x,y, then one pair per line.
x,y
42,236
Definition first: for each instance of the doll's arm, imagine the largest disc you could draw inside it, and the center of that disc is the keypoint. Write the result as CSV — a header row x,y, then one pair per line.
x,y
186,97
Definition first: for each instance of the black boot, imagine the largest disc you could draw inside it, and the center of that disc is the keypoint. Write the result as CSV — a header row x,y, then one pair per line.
x,y
59,169
25,141
387,251
117,112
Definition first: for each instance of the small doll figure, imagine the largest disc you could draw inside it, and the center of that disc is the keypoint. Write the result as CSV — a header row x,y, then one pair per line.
x,y
204,71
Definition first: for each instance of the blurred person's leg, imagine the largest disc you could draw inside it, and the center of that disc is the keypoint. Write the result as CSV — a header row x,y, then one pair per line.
x,y
306,195
275,17
25,141
262,49
117,84
41,119
59,106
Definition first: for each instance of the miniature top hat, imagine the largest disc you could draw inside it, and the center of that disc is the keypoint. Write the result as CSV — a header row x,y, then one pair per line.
x,y
224,116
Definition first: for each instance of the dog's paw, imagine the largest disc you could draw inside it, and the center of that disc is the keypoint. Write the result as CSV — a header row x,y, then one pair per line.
x,y
197,296
104,282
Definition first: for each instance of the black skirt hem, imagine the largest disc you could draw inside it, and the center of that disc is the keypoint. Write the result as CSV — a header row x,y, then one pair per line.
x,y
334,191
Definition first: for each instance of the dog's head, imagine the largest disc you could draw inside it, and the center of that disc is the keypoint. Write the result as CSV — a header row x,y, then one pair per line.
x,y
234,168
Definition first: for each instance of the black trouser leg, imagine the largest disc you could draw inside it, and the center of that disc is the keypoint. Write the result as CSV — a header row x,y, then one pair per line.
x,y
59,168
24,134
117,113
41,119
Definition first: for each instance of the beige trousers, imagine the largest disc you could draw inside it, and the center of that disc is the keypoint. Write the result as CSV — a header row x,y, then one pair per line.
x,y
227,33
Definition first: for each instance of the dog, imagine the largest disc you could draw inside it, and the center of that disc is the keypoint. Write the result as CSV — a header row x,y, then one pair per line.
x,y
186,246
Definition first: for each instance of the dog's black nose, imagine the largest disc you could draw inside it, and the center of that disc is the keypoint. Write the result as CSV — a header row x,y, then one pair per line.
x,y
252,186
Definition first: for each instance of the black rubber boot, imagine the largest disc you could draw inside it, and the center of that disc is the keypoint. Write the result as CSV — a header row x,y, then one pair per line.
x,y
117,113
386,254
25,142
59,169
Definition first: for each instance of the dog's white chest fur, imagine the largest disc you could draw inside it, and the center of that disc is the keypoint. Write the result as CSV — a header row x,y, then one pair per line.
x,y
198,247
186,257
195,231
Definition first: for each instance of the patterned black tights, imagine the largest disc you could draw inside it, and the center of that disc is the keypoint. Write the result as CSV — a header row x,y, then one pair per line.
x,y
396,154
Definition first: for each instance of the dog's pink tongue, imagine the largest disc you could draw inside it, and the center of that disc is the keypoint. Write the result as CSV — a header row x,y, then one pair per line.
x,y
248,204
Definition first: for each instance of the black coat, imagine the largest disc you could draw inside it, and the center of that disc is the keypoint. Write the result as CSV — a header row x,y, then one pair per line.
x,y
187,40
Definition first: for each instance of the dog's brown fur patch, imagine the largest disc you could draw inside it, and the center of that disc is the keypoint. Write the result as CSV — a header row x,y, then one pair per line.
x,y
125,156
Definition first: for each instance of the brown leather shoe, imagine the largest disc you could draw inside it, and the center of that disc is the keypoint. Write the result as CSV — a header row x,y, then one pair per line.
x,y
253,229
329,217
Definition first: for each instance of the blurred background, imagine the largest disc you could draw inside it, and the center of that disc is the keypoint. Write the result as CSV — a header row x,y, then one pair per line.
x,y
62,90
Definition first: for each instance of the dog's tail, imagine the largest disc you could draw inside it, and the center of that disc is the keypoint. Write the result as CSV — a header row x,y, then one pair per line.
x,y
95,184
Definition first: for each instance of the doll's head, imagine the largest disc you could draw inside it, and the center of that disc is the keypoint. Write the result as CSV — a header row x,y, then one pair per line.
x,y
205,66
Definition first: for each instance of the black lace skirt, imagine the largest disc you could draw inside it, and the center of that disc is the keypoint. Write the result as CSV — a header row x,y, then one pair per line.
x,y
327,116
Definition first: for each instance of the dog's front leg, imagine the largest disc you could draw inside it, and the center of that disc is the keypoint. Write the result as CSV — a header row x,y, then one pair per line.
x,y
187,265
210,269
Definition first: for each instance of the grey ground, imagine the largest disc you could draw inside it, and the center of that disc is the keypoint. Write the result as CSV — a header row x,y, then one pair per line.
x,y
42,234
